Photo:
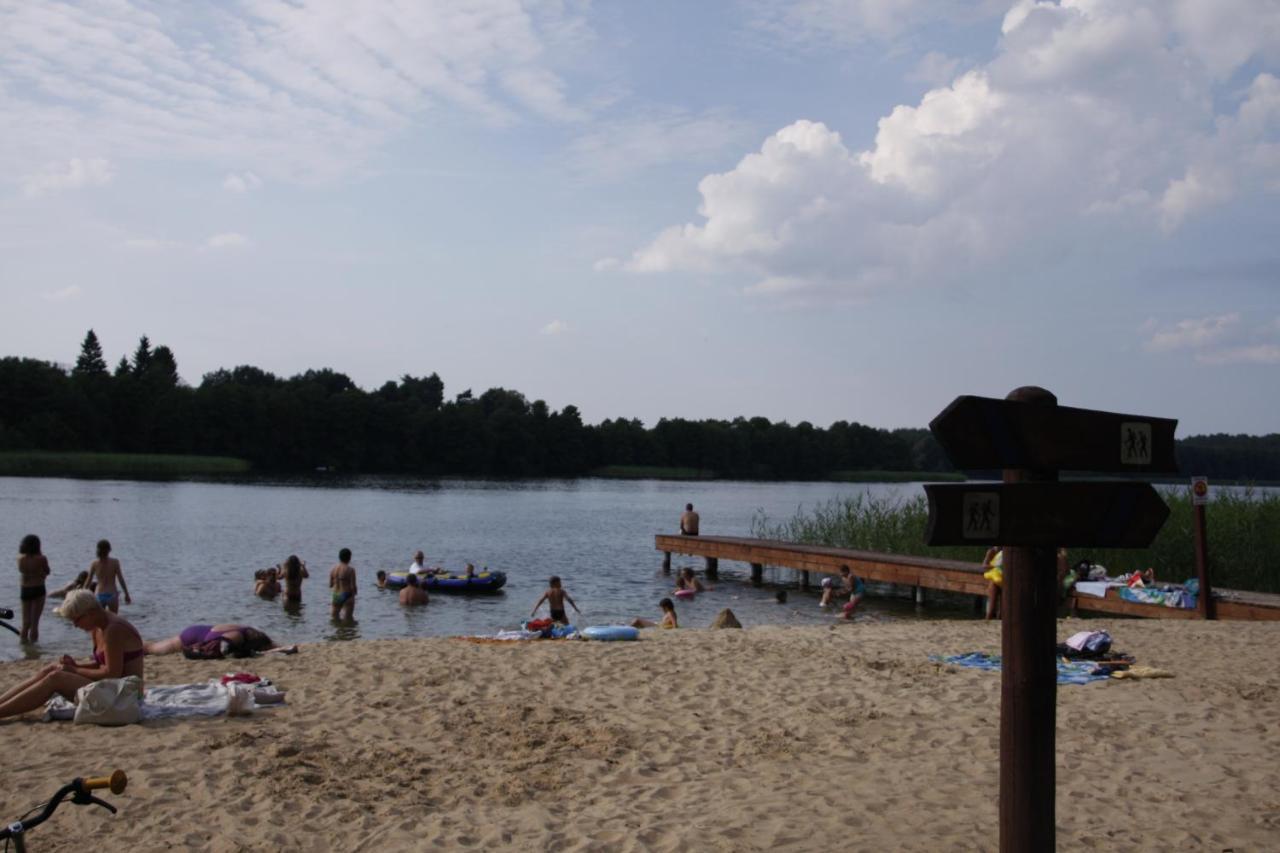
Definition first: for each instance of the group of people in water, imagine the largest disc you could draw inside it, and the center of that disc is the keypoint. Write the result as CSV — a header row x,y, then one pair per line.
x,y
91,603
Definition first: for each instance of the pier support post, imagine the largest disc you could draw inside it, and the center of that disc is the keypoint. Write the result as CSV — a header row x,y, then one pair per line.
x,y
666,562
919,596
804,579
757,574
713,567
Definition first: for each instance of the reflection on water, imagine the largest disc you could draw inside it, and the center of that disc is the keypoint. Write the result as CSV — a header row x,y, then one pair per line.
x,y
189,549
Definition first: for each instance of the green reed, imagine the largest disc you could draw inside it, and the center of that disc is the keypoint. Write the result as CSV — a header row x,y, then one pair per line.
x,y
54,464
1243,530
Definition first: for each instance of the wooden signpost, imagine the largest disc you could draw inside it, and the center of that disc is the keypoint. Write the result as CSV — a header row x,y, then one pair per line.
x,y
1032,438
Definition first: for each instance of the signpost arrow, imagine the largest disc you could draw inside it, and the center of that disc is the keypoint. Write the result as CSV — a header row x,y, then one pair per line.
x,y
982,433
1102,515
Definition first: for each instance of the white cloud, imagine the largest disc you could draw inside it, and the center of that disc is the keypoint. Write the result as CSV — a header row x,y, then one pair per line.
x,y
1189,334
75,174
1094,115
66,294
229,240
1255,354
555,327
293,90
241,183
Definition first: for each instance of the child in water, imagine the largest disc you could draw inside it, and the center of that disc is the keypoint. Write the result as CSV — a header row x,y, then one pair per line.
x,y
686,580
668,617
555,596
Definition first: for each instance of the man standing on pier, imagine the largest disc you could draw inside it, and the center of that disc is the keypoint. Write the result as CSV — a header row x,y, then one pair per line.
x,y
689,521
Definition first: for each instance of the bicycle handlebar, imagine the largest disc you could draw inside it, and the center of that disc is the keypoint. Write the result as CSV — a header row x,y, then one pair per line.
x,y
78,789
116,782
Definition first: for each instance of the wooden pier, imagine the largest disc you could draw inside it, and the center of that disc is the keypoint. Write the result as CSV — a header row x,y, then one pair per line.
x,y
924,573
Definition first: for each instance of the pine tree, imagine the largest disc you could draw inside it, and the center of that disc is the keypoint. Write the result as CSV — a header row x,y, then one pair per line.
x,y
90,362
122,367
142,356
164,366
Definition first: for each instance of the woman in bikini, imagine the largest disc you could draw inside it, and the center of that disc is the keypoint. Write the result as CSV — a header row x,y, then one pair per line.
x,y
34,568
201,642
117,652
107,571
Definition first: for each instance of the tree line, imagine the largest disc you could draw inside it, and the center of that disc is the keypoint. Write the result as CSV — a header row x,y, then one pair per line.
x,y
321,419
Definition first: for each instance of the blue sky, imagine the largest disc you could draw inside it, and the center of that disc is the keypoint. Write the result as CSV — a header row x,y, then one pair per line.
x,y
815,210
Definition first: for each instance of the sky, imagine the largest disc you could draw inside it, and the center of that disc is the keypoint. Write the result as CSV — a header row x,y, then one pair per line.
x,y
814,210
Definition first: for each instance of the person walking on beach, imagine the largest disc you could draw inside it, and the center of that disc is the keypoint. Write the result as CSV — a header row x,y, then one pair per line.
x,y
33,568
106,569
556,596
413,595
342,580
689,521
293,570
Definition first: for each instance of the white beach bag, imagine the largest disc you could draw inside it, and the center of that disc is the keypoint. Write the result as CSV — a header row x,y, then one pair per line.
x,y
110,702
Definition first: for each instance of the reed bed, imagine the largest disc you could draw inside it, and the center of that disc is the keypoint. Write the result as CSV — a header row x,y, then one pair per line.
x,y
1243,533
39,463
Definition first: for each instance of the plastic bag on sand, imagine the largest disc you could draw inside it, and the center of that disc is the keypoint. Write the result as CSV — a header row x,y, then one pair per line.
x,y
239,698
110,701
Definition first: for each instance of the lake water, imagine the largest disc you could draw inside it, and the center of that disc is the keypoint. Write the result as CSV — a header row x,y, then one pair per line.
x,y
189,549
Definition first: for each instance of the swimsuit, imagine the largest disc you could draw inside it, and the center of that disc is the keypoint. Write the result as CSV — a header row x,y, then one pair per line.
x,y
101,656
106,599
341,598
31,593
558,615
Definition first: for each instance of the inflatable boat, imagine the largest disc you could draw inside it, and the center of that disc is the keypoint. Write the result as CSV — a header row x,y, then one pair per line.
x,y
485,581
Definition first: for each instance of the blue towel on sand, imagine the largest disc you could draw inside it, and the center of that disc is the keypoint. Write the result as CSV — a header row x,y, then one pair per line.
x,y
1069,672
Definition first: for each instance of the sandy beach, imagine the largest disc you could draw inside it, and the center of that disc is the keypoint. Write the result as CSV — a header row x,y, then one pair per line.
x,y
846,737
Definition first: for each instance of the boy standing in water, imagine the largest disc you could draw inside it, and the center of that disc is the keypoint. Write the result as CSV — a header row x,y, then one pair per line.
x,y
555,598
342,580
106,571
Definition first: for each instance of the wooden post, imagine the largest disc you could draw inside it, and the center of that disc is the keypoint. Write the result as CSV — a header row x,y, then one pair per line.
x,y
713,567
804,579
919,596
666,562
1029,681
757,574
1205,602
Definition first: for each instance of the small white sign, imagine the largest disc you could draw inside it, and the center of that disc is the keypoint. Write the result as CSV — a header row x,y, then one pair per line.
x,y
981,515
1135,443
1199,491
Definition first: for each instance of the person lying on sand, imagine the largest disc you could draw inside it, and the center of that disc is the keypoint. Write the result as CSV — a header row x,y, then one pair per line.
x,y
212,642
668,620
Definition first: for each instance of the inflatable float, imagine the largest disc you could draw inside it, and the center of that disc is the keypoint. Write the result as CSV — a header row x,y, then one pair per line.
x,y
685,593
610,632
480,582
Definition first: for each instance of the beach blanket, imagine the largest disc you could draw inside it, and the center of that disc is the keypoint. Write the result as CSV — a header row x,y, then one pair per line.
x,y
1069,672
1168,598
208,699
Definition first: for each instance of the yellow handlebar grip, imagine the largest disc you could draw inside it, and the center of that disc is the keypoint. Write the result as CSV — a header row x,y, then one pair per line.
x,y
116,782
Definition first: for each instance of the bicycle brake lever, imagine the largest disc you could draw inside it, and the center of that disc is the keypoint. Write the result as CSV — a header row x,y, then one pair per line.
x,y
97,802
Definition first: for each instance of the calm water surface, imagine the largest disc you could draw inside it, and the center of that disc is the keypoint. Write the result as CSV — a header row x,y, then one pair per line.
x,y
189,549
